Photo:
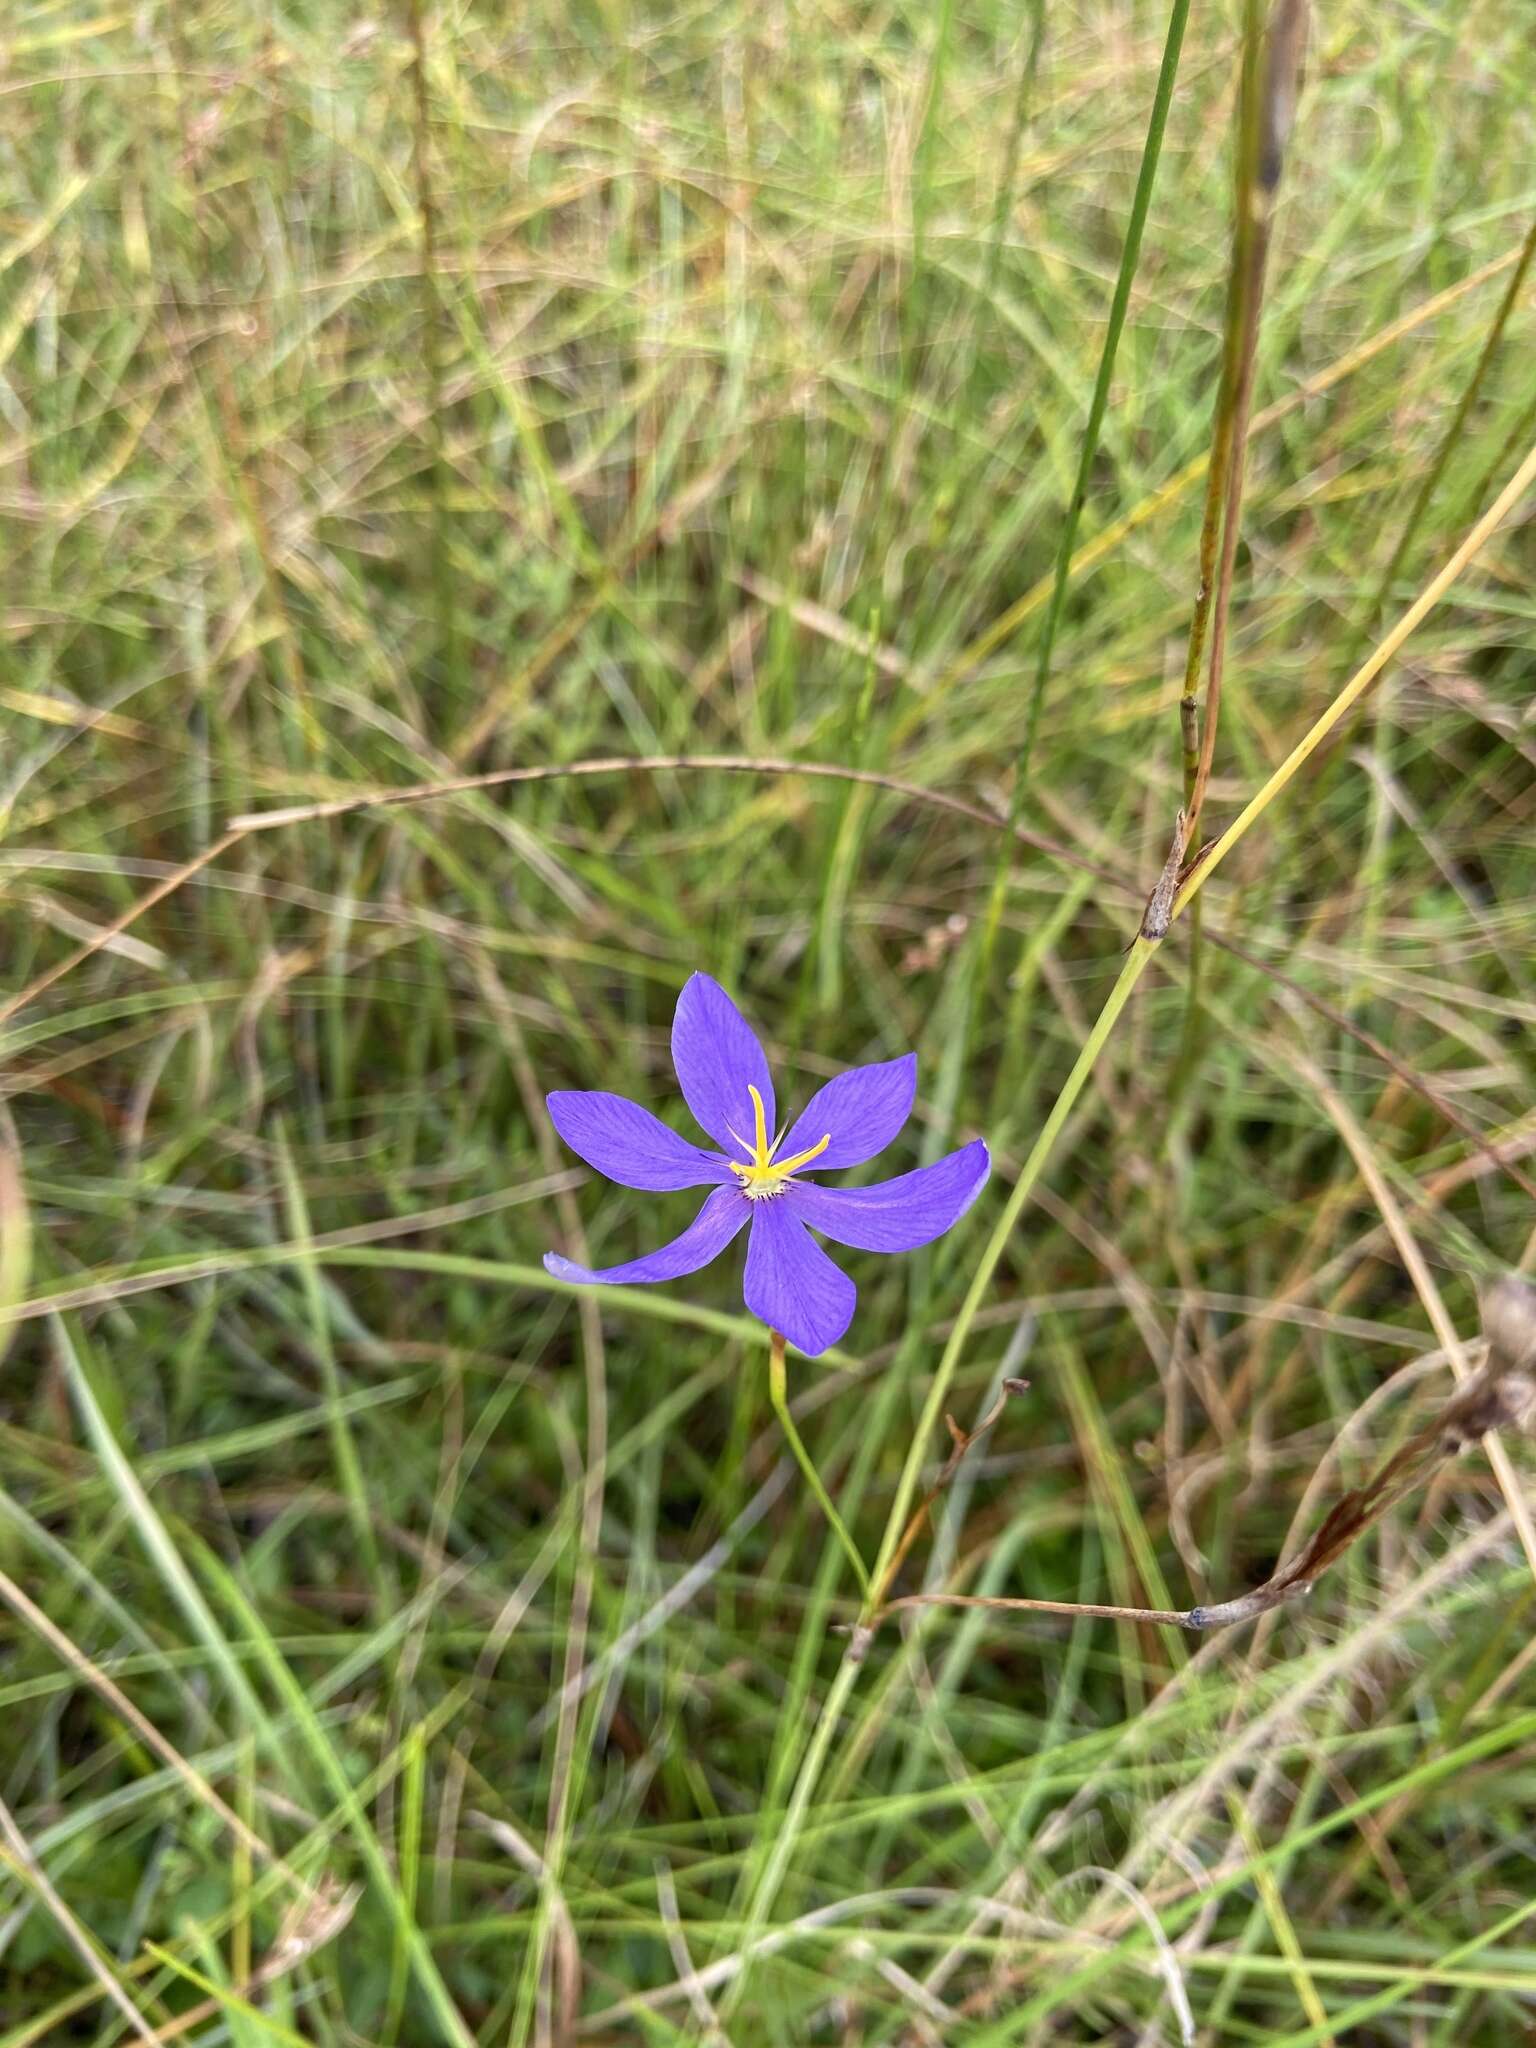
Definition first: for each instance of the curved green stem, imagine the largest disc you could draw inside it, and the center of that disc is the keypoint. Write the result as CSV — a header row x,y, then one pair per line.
x,y
778,1394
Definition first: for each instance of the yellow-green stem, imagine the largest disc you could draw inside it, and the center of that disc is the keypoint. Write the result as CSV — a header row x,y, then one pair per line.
x,y
778,1394
1136,962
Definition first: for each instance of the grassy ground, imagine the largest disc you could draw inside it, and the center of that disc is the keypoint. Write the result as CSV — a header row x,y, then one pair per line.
x,y
401,1650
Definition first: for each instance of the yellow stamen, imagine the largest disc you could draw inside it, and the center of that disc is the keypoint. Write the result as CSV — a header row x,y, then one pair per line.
x,y
760,1152
802,1158
763,1175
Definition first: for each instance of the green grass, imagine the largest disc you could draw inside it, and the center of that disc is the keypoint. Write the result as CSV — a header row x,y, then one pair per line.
x,y
400,1648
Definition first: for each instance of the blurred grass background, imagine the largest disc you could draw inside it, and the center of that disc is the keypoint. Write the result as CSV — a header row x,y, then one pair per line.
x,y
390,397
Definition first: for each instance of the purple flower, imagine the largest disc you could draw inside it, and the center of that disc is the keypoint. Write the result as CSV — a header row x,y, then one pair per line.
x,y
790,1282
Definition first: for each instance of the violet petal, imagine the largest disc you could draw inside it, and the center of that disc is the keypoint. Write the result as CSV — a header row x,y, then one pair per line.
x,y
895,1215
717,1056
863,1110
726,1212
791,1283
628,1144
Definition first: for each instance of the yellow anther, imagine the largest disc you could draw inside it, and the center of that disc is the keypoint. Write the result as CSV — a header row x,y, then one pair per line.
x,y
802,1158
760,1150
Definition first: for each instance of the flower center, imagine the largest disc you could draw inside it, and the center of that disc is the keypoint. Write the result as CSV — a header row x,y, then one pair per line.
x,y
764,1176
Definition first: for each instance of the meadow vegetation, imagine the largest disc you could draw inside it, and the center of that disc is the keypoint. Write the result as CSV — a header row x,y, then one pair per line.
x,y
403,1648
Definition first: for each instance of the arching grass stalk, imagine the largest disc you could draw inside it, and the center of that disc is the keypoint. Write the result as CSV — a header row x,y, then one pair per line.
x,y
1130,257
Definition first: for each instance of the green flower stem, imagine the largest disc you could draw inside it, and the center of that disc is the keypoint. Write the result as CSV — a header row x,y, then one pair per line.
x,y
778,1394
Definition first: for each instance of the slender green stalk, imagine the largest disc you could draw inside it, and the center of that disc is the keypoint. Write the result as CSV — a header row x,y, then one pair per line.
x,y
1451,438
1137,961
1130,256
778,1394
1022,93
1375,863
